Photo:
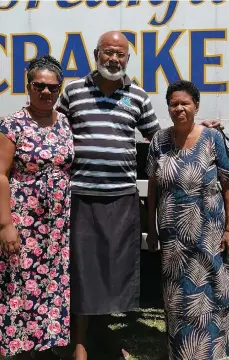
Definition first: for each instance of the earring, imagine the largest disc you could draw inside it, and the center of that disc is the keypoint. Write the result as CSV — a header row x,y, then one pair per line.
x,y
27,102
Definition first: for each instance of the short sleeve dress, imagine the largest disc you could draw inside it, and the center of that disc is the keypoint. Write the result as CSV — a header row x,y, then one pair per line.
x,y
34,285
191,222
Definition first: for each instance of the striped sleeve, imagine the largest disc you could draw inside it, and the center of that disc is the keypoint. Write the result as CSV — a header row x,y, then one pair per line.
x,y
148,123
62,104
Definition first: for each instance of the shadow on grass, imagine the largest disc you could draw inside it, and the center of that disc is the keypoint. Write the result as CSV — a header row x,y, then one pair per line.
x,y
151,281
142,332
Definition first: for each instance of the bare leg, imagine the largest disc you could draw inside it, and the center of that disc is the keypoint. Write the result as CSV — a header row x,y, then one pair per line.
x,y
80,325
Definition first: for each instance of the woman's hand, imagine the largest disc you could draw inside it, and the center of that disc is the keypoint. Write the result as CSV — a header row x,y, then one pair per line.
x,y
225,243
152,241
9,239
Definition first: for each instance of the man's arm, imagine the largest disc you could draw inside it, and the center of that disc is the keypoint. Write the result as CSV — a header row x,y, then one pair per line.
x,y
152,238
149,137
148,123
62,104
212,124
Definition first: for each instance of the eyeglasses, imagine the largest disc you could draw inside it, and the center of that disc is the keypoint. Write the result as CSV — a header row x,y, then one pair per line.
x,y
110,53
40,86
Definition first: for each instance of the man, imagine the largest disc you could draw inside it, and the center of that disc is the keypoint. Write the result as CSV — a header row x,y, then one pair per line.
x,y
104,109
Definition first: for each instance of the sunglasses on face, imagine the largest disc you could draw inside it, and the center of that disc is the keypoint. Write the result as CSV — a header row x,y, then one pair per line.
x,y
40,86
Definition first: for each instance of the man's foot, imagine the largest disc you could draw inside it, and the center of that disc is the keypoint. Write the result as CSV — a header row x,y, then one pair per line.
x,y
125,354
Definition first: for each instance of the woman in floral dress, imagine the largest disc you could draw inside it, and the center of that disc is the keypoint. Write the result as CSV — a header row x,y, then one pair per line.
x,y
186,164
36,153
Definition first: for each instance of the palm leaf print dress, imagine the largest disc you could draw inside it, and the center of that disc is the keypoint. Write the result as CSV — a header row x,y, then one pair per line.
x,y
191,222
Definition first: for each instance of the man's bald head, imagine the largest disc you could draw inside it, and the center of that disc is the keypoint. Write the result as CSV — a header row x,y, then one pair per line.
x,y
112,55
113,38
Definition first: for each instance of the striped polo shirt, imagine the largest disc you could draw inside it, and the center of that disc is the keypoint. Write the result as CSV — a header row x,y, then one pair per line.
x,y
104,134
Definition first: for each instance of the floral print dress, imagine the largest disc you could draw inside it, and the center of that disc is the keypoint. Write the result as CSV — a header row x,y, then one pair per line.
x,y
191,222
34,284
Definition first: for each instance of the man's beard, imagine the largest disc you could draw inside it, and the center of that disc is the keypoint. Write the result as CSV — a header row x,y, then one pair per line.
x,y
106,74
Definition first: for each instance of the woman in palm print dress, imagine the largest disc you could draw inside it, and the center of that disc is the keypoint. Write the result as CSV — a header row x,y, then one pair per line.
x,y
186,164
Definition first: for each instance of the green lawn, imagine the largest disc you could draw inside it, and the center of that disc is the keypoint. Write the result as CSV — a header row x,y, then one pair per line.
x,y
142,332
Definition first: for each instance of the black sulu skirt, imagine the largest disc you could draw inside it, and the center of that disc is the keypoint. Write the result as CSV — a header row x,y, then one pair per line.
x,y
105,254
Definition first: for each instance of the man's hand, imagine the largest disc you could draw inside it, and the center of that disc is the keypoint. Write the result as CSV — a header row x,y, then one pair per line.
x,y
9,239
212,124
152,241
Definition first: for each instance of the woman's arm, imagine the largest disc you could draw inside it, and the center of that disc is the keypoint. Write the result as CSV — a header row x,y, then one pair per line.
x,y
225,188
152,238
225,238
222,163
8,234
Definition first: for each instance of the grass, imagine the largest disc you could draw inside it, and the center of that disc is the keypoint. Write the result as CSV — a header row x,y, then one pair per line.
x,y
141,332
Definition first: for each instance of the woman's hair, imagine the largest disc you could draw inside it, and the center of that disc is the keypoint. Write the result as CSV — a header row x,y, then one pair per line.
x,y
183,85
45,62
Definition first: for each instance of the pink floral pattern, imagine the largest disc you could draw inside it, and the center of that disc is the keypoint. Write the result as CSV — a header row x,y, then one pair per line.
x,y
34,285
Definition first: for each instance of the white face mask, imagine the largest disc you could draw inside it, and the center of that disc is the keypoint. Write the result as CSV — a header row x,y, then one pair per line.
x,y
106,74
